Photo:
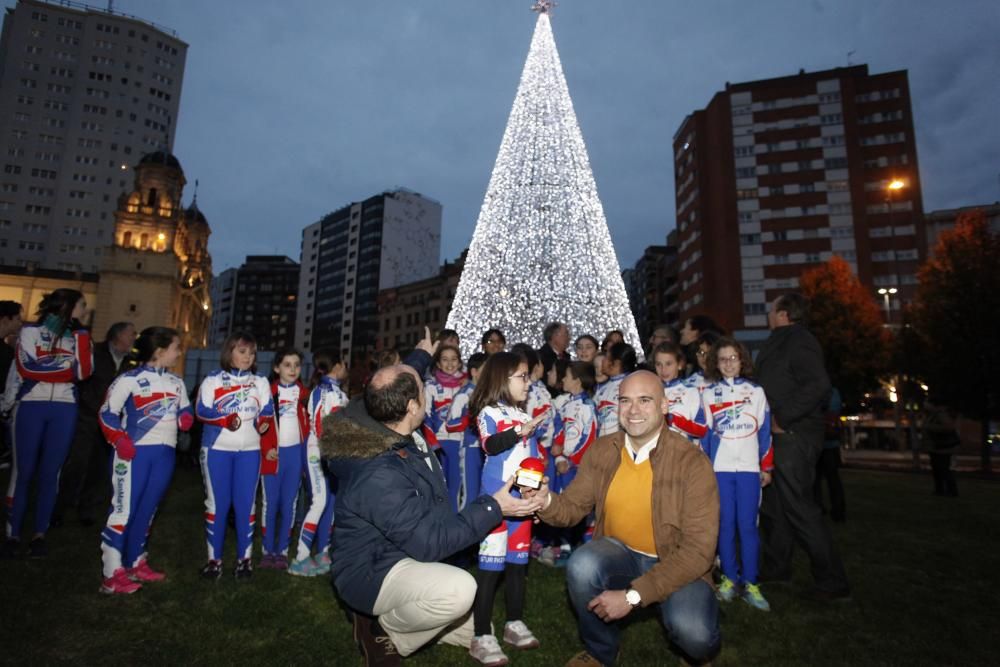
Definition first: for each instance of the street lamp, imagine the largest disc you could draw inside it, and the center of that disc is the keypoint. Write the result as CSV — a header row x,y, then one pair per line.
x,y
895,185
888,304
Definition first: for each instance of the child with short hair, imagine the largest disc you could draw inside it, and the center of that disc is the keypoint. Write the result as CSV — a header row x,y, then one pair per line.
x,y
234,404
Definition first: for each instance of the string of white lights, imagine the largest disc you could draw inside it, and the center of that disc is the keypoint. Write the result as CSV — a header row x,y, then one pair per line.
x,y
541,250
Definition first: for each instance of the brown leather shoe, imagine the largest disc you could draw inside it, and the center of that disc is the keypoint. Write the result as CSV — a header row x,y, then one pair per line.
x,y
376,647
584,659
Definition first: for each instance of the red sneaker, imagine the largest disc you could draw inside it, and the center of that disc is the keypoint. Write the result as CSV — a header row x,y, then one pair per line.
x,y
143,572
119,584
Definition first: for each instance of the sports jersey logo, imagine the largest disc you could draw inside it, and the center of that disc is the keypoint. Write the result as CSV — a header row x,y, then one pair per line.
x,y
313,458
286,408
121,469
54,358
732,422
236,399
155,406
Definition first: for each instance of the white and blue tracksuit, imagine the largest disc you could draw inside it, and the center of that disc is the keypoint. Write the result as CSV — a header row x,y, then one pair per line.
x,y
325,399
510,542
606,398
144,405
579,419
230,460
550,430
41,392
738,442
697,380
437,404
281,489
686,415
463,472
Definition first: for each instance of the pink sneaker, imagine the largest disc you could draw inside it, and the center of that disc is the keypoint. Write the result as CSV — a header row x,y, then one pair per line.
x,y
119,584
143,572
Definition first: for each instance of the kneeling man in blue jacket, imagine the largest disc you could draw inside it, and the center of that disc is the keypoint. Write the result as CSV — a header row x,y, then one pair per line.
x,y
394,523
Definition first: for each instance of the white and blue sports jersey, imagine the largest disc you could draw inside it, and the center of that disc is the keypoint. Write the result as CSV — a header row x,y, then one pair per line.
x,y
290,416
697,380
739,426
225,393
46,367
459,425
498,468
579,418
606,399
144,403
686,414
326,398
438,399
549,431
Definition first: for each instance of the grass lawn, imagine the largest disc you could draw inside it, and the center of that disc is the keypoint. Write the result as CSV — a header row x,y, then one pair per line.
x,y
920,567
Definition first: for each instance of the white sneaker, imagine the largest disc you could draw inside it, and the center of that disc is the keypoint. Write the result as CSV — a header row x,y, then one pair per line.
x,y
486,650
517,634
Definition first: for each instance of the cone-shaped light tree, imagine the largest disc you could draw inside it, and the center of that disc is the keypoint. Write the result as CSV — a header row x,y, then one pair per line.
x,y
541,250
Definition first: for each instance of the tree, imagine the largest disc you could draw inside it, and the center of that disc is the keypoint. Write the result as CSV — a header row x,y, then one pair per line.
x,y
541,250
848,324
957,313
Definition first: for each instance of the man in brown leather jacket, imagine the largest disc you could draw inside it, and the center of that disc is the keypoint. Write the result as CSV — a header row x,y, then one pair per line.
x,y
657,522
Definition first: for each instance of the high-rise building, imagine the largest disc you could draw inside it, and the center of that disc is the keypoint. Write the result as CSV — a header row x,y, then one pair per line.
x,y
264,300
390,239
84,93
222,292
775,176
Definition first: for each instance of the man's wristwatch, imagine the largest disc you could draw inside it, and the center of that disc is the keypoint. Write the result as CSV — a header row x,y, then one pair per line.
x,y
632,597
517,429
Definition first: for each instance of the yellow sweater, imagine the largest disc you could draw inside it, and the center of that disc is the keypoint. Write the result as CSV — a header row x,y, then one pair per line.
x,y
629,505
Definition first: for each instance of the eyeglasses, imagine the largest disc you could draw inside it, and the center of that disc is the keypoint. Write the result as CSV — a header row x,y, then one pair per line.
x,y
730,359
701,353
493,341
524,377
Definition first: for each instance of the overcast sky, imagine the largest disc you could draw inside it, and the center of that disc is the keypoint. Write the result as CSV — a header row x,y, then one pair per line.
x,y
293,109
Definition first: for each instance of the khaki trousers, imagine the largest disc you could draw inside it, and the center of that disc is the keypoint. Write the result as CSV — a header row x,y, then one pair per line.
x,y
424,602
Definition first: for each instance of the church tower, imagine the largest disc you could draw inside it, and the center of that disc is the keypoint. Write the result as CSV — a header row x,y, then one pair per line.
x,y
158,270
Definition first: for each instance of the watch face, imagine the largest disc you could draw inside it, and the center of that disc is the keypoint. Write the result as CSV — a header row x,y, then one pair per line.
x,y
632,596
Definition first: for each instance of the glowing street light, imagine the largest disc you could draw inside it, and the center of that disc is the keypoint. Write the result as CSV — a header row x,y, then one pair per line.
x,y
886,293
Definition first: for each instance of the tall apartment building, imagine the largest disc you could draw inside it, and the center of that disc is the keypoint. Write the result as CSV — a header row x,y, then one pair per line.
x,y
776,176
222,291
652,287
387,240
264,300
84,93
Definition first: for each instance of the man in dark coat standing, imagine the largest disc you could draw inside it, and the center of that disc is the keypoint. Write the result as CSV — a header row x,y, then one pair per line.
x,y
85,480
556,335
791,371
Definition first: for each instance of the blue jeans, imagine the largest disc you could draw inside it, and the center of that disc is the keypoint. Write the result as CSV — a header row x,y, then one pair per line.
x,y
690,615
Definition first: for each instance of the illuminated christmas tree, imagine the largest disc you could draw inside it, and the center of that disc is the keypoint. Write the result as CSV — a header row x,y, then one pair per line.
x,y
541,250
